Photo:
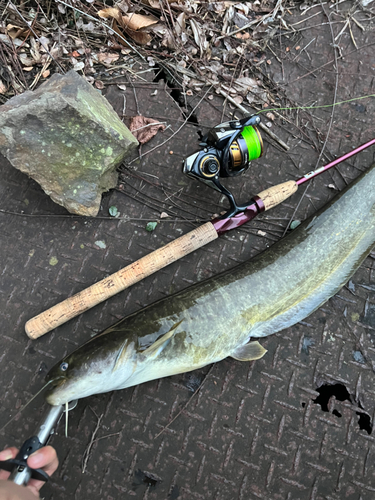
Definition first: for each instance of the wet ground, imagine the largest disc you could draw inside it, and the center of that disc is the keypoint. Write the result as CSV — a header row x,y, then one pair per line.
x,y
295,424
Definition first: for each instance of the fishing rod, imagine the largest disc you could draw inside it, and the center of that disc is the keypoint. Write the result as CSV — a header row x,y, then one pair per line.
x,y
227,150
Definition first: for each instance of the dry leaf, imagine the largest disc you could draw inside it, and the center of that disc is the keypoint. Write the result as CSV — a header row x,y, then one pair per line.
x,y
180,24
110,12
16,41
3,88
34,50
152,3
143,129
155,4
199,36
137,21
99,84
78,66
16,31
25,59
130,24
107,58
140,37
238,99
46,73
131,21
250,88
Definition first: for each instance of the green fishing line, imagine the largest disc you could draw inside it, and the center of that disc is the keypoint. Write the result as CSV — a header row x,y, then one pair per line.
x,y
253,142
316,107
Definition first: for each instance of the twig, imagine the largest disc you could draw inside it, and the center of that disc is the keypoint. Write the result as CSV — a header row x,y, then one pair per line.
x,y
330,122
177,131
304,48
362,349
36,36
135,96
326,64
336,86
149,125
187,403
123,219
304,20
45,66
256,21
86,454
6,52
352,36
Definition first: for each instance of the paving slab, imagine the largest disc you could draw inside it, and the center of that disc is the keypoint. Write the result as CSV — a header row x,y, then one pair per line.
x,y
254,430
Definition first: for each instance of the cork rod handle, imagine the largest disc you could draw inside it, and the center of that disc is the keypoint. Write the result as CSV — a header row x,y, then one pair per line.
x,y
277,194
90,297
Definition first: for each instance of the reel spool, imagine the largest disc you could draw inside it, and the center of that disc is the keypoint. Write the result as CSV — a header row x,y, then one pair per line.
x,y
228,150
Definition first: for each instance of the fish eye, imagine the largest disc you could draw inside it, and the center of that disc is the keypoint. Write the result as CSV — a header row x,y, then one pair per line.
x,y
64,366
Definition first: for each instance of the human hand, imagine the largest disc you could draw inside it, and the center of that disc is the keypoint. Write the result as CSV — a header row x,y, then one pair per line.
x,y
45,458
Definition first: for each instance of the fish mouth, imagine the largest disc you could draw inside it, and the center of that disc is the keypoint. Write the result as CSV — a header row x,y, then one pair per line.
x,y
55,384
52,394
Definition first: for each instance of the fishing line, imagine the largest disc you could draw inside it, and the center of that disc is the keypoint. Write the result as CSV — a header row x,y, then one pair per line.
x,y
24,406
66,418
229,147
315,107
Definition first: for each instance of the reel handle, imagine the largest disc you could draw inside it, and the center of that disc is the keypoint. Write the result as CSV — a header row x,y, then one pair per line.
x,y
119,281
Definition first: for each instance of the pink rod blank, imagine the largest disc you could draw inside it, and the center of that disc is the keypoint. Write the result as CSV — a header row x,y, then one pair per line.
x,y
318,171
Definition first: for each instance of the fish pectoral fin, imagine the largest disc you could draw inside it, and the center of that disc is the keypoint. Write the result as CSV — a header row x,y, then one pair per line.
x,y
124,355
156,348
249,352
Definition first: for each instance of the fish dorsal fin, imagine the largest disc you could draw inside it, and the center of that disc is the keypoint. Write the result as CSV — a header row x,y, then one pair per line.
x,y
249,351
156,348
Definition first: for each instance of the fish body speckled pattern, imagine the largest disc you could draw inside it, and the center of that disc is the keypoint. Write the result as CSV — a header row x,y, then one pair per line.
x,y
217,318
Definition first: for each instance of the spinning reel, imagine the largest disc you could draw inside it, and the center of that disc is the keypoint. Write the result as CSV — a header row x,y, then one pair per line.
x,y
228,150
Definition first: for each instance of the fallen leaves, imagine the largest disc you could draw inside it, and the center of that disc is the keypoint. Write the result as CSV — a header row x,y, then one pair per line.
x,y
203,40
196,43
132,24
144,128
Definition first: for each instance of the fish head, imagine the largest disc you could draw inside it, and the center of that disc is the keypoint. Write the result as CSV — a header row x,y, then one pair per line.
x,y
87,371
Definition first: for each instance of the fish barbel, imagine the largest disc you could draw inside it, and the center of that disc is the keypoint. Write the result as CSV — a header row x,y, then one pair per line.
x,y
216,318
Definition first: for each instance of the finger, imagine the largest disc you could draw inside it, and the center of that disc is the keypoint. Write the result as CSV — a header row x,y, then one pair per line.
x,y
45,458
11,490
7,454
34,488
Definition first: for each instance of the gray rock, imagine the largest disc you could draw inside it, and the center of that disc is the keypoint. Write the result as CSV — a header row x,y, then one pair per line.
x,y
67,137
